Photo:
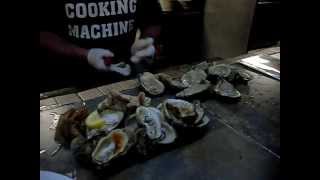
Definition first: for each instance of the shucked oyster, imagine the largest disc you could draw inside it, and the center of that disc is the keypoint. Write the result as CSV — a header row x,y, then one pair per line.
x,y
113,145
192,77
155,127
183,113
170,82
103,122
151,119
225,89
151,84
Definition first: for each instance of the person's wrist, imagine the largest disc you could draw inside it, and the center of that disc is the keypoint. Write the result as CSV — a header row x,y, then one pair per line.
x,y
82,53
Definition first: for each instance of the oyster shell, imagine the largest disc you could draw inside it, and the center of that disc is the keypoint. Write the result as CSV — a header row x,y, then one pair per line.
x,y
170,82
220,70
202,66
150,118
113,101
169,135
111,146
195,76
194,90
184,113
225,89
82,149
240,75
151,84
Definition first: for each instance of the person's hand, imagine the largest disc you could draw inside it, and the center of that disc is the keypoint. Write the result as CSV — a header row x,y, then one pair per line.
x,y
96,58
142,49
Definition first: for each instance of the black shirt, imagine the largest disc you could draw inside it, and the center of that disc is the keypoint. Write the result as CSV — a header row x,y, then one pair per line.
x,y
109,24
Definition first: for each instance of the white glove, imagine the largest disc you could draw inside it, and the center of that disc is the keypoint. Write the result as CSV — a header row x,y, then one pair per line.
x,y
142,49
97,56
121,68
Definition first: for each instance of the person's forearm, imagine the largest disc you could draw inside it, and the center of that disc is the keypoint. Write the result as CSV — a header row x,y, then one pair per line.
x,y
59,46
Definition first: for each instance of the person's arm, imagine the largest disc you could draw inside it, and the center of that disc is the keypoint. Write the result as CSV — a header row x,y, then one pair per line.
x,y
60,46
151,31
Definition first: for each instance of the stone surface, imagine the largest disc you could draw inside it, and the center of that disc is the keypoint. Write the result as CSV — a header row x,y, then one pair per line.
x,y
90,94
48,102
129,84
68,99
105,89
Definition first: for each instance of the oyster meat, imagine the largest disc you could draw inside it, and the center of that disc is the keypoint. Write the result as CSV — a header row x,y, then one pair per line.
x,y
170,82
103,122
225,89
150,118
184,113
111,146
151,84
194,90
195,76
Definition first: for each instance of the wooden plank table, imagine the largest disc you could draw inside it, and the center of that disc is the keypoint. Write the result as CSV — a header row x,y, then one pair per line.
x,y
242,141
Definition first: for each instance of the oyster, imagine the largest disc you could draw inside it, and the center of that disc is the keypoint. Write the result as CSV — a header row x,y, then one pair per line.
x,y
70,125
202,66
195,76
151,84
183,113
113,101
169,135
220,70
150,118
113,145
82,149
225,89
194,90
103,122
170,82
239,75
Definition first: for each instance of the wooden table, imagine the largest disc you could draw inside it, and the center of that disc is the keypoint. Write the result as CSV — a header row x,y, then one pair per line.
x,y
242,141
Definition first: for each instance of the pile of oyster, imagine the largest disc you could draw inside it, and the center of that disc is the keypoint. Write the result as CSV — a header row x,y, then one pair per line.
x,y
204,78
123,125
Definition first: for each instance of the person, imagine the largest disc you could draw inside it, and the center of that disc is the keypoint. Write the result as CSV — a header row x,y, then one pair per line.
x,y
83,42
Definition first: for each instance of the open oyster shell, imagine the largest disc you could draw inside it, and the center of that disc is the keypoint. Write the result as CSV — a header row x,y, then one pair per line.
x,y
194,90
150,118
151,84
195,76
170,82
225,89
183,113
220,70
113,145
